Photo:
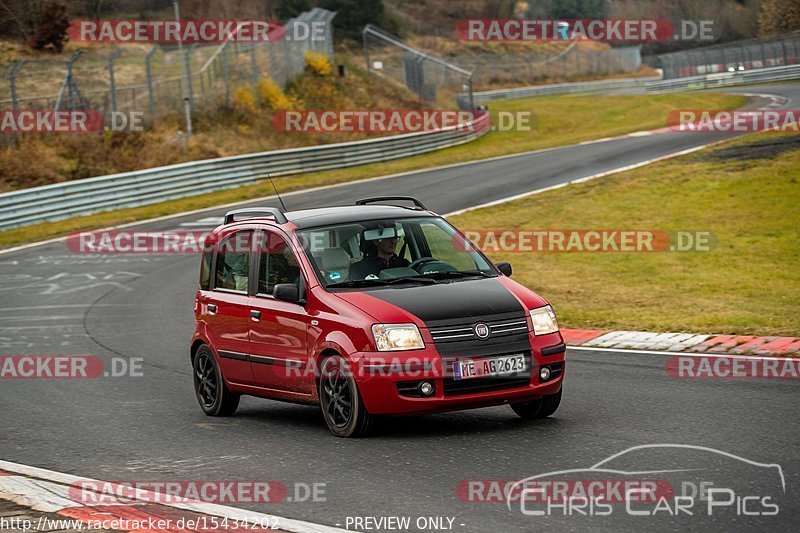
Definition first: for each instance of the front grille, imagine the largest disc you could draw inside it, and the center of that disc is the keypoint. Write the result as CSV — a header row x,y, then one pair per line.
x,y
508,333
454,387
454,334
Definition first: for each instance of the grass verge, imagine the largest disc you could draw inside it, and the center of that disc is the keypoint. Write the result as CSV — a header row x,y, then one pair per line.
x,y
557,121
746,192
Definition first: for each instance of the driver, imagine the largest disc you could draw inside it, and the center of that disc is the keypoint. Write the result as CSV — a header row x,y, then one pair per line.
x,y
378,255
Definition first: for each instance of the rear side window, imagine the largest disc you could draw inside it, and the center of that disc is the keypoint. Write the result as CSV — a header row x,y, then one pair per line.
x,y
233,262
205,271
278,265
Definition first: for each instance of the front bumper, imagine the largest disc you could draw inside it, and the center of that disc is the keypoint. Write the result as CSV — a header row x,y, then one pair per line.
x,y
378,375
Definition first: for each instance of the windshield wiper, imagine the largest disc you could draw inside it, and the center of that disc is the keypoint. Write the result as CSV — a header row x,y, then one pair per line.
x,y
380,282
456,274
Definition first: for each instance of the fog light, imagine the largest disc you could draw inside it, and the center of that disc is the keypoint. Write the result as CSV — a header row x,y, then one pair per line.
x,y
544,373
426,388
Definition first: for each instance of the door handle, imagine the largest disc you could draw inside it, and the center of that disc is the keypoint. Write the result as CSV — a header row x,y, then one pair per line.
x,y
255,315
212,309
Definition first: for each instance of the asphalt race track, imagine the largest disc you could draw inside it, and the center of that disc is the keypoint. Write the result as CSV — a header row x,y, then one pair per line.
x,y
151,428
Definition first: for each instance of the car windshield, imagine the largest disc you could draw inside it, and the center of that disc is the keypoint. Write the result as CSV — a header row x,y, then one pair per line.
x,y
374,253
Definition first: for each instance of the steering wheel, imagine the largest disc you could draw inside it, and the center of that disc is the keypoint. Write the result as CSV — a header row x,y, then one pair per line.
x,y
421,261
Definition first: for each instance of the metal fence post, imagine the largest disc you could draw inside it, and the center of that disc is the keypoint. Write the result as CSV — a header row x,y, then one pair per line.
x,y
151,97
366,48
12,78
188,62
68,82
225,74
114,55
202,81
188,101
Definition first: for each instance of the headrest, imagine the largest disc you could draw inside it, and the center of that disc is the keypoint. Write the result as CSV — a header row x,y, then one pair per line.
x,y
334,259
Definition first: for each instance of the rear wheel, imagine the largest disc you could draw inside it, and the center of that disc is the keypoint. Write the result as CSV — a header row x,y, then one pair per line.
x,y
342,407
539,408
212,394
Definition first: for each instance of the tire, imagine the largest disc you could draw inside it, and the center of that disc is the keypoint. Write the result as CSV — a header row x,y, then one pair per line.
x,y
539,408
214,397
342,407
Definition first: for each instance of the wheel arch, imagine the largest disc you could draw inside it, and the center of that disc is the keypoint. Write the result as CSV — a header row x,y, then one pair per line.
x,y
195,346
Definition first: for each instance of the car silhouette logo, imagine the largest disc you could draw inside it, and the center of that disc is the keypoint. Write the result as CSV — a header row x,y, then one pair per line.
x,y
482,331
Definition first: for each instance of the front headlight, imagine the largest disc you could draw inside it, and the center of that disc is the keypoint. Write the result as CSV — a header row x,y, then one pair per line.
x,y
394,337
544,320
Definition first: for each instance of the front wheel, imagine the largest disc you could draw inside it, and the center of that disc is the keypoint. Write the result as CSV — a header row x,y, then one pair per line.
x,y
539,408
212,394
342,407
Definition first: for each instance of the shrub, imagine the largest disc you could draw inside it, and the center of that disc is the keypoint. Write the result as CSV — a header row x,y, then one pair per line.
x,y
318,93
244,102
318,64
271,96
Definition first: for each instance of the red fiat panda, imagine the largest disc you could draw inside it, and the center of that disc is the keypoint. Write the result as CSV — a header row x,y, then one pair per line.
x,y
367,310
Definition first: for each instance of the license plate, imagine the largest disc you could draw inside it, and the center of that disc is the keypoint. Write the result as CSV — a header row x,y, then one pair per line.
x,y
496,366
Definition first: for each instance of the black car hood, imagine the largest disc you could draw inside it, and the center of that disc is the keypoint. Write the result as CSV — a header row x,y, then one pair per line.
x,y
433,303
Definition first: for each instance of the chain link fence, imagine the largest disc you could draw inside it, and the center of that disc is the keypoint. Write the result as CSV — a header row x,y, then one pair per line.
x,y
519,69
437,80
152,79
735,56
432,78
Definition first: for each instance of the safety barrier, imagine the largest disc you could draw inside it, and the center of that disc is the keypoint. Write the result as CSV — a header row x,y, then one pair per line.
x,y
131,189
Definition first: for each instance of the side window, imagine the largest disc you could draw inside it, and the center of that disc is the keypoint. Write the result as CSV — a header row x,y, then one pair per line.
x,y
233,262
278,265
205,271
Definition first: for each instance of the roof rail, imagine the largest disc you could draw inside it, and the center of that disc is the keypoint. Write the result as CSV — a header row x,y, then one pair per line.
x,y
253,212
377,199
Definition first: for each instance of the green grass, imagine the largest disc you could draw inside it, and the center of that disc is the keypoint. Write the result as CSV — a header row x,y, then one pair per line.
x,y
749,283
557,121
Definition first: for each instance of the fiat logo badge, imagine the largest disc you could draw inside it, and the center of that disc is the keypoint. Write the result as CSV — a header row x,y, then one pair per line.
x,y
482,331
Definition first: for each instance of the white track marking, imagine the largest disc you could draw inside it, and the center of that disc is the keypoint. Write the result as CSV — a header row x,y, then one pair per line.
x,y
40,495
48,492
585,178
686,354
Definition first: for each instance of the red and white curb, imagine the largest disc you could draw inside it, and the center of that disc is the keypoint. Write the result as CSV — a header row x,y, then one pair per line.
x,y
682,342
48,492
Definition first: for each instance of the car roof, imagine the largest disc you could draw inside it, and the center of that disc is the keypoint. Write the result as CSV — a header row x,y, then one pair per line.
x,y
327,216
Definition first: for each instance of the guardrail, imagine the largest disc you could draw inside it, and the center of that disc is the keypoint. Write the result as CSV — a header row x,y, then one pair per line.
x,y
563,88
131,189
650,84
725,79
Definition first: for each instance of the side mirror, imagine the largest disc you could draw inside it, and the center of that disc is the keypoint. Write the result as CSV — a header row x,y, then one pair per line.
x,y
288,292
505,268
